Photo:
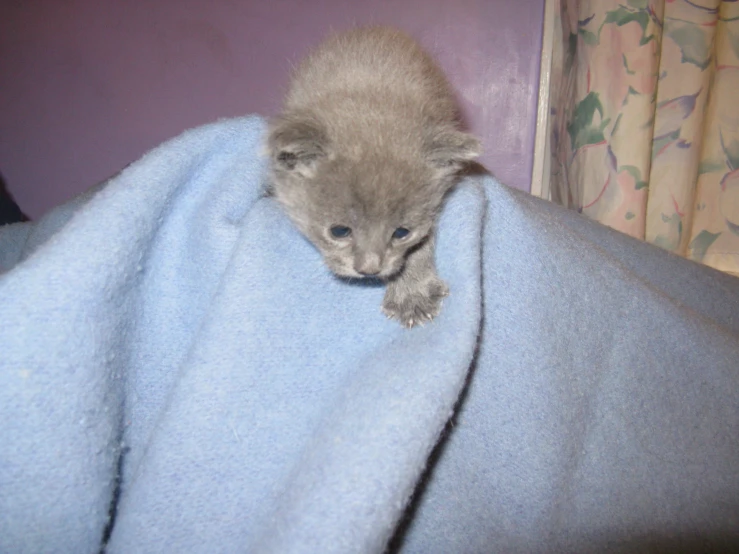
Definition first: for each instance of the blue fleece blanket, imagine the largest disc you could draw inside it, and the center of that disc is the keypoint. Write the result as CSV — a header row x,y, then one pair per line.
x,y
180,373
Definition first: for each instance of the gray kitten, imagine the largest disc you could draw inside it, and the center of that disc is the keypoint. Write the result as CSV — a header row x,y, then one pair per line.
x,y
364,151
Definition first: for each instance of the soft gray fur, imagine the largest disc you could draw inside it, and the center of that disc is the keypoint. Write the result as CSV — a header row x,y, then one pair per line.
x,y
369,140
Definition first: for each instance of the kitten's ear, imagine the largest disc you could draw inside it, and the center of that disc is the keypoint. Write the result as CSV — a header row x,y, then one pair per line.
x,y
296,144
449,149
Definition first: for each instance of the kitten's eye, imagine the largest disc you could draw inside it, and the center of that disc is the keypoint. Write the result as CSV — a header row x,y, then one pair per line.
x,y
340,231
401,233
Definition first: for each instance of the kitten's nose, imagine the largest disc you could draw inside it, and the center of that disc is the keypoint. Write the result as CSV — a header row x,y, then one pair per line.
x,y
368,264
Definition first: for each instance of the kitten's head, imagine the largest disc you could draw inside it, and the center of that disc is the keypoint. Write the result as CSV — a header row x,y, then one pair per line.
x,y
362,203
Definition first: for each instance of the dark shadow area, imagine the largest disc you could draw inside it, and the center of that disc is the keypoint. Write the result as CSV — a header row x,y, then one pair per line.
x,y
113,508
474,169
366,282
9,210
689,543
406,520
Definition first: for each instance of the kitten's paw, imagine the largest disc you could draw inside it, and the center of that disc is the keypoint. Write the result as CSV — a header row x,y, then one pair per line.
x,y
414,305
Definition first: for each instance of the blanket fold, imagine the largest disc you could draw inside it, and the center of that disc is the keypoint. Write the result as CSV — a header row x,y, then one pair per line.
x,y
175,355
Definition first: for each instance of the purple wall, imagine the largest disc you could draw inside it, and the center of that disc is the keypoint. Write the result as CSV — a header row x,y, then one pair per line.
x,y
87,86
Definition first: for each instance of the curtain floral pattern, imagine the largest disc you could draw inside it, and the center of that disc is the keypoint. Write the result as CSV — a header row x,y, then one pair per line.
x,y
644,124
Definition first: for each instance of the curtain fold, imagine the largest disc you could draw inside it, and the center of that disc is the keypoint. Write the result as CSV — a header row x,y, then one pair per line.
x,y
644,123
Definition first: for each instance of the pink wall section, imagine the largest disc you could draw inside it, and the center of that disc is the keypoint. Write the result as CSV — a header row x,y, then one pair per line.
x,y
87,86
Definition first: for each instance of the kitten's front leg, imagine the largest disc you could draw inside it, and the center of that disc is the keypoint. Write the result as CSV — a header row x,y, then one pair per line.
x,y
414,296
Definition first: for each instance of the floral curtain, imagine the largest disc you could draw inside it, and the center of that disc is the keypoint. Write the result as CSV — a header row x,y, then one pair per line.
x,y
644,123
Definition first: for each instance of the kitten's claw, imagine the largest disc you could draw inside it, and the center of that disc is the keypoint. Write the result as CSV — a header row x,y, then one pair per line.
x,y
416,306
